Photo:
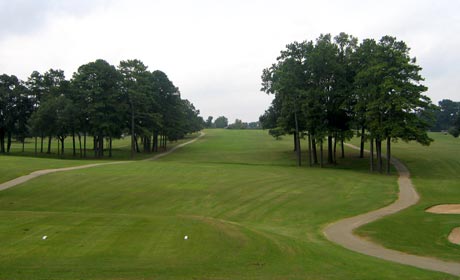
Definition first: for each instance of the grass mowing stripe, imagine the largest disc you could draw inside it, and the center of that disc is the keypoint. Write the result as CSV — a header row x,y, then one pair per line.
x,y
258,220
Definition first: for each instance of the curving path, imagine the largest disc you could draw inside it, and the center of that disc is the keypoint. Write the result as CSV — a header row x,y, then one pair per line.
x,y
341,232
35,174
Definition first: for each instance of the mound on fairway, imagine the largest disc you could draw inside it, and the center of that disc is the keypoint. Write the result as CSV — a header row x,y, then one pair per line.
x,y
444,209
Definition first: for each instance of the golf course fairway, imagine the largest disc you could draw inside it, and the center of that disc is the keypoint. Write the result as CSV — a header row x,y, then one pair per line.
x,y
248,213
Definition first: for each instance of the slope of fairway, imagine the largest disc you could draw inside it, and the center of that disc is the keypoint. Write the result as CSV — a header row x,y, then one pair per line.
x,y
248,213
14,166
435,173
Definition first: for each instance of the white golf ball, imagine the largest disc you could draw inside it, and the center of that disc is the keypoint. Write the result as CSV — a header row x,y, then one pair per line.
x,y
186,237
44,237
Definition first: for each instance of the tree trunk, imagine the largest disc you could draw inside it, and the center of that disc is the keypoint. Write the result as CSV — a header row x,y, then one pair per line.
x,y
79,143
342,147
101,146
321,153
8,145
73,142
295,142
49,145
313,146
41,144
330,159
95,146
378,144
155,142
110,147
23,142
310,157
62,143
299,151
36,145
84,145
136,144
388,155
2,140
335,149
361,149
372,155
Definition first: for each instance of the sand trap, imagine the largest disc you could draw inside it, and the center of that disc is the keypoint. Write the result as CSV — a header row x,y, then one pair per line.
x,y
454,236
445,209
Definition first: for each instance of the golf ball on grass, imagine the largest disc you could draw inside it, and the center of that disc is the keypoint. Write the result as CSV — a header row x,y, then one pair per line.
x,y
186,237
44,237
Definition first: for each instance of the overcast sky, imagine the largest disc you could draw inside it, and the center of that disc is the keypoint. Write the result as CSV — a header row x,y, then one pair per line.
x,y
214,51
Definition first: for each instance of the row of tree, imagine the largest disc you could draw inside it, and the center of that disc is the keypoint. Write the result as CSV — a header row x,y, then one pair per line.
x,y
329,88
100,100
222,122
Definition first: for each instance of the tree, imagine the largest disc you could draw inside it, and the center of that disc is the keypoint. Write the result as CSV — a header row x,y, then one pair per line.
x,y
238,124
454,130
98,84
208,123
391,95
221,122
448,111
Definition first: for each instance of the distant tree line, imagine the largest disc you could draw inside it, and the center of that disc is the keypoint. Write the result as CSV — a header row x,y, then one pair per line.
x,y
333,88
447,117
222,122
100,100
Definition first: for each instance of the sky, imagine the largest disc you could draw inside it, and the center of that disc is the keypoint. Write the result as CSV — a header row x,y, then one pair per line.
x,y
215,51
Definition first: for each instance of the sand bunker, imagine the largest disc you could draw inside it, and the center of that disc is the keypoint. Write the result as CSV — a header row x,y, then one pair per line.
x,y
445,209
454,236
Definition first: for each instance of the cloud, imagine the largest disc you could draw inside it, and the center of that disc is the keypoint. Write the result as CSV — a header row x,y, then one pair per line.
x,y
22,17
215,50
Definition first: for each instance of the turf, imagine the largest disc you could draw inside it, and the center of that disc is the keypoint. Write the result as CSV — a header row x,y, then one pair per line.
x,y
435,173
248,211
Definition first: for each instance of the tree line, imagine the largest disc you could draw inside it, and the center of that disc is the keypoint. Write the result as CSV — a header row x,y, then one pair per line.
x,y
331,89
100,100
447,117
222,122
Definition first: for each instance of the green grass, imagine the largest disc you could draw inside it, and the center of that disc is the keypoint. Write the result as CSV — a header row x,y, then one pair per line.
x,y
18,163
121,148
436,175
249,213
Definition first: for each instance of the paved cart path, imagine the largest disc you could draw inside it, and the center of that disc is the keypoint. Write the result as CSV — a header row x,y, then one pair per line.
x,y
341,232
35,174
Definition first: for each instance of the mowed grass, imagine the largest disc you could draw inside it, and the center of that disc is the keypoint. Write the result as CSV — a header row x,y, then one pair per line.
x,y
18,163
436,175
248,213
121,148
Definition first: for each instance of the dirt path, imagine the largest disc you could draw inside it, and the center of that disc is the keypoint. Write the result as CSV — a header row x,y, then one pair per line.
x,y
35,174
341,232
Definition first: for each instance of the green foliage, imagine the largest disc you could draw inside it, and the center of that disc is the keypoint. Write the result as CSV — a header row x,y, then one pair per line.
x,y
238,124
454,131
333,85
100,100
221,122
446,114
276,132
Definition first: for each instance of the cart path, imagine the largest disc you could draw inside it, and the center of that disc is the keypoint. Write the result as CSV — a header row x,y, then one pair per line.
x,y
341,232
38,173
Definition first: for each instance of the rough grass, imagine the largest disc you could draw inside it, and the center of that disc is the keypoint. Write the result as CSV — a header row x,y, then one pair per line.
x,y
436,175
248,212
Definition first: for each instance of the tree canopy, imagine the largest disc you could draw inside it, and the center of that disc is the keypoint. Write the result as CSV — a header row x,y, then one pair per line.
x,y
100,100
330,87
